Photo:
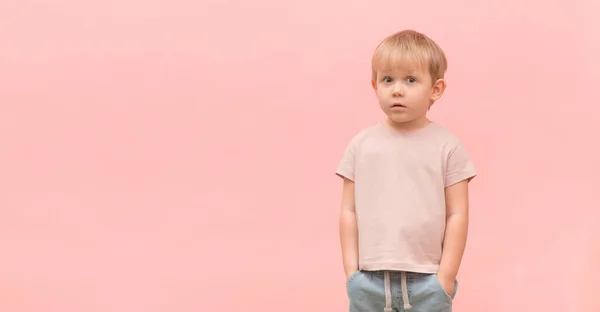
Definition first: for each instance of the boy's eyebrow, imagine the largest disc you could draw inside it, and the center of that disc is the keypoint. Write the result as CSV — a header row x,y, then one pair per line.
x,y
414,72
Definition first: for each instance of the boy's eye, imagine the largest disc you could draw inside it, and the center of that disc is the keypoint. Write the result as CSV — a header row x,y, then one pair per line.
x,y
387,79
411,80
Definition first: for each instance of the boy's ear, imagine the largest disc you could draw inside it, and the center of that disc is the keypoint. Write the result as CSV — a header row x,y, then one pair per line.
x,y
374,85
438,89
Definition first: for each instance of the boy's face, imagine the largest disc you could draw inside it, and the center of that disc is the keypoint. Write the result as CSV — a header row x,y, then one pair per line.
x,y
406,93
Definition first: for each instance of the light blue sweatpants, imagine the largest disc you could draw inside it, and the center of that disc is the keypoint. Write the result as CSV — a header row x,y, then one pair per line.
x,y
387,291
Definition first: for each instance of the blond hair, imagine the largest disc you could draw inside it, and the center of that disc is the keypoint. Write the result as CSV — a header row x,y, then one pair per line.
x,y
413,47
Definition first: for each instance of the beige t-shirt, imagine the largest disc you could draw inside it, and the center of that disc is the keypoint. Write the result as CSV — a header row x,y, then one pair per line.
x,y
399,193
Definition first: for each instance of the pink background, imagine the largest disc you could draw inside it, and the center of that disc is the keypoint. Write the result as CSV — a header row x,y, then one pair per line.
x,y
174,155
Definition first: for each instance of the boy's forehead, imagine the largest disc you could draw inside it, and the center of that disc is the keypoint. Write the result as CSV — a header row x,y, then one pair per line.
x,y
400,69
401,65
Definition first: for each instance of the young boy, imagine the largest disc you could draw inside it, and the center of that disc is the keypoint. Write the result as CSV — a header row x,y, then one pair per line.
x,y
404,216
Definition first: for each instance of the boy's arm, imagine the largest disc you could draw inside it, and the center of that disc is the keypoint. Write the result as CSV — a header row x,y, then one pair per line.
x,y
348,229
455,238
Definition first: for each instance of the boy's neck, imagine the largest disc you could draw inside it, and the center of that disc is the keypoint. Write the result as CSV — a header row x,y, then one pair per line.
x,y
410,126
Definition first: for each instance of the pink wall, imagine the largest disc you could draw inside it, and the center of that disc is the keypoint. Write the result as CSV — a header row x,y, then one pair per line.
x,y
133,131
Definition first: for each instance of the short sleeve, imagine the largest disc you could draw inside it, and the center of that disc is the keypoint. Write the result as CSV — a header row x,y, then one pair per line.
x,y
345,168
459,166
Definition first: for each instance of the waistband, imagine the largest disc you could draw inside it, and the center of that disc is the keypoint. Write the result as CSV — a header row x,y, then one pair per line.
x,y
404,276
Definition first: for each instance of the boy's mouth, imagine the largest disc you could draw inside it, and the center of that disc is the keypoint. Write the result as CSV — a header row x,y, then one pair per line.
x,y
398,105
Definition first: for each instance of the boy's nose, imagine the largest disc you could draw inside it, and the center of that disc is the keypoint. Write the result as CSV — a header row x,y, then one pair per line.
x,y
397,91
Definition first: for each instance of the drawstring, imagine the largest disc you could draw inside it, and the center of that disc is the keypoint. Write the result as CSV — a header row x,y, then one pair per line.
x,y
388,292
407,305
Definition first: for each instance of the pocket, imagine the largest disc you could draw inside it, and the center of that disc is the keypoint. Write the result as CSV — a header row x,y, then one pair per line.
x,y
351,278
455,289
441,288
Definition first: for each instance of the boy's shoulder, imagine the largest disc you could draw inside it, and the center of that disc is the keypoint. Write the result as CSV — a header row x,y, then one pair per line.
x,y
444,134
364,132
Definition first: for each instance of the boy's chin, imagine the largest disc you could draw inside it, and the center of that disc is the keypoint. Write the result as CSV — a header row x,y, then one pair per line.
x,y
399,118
405,120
